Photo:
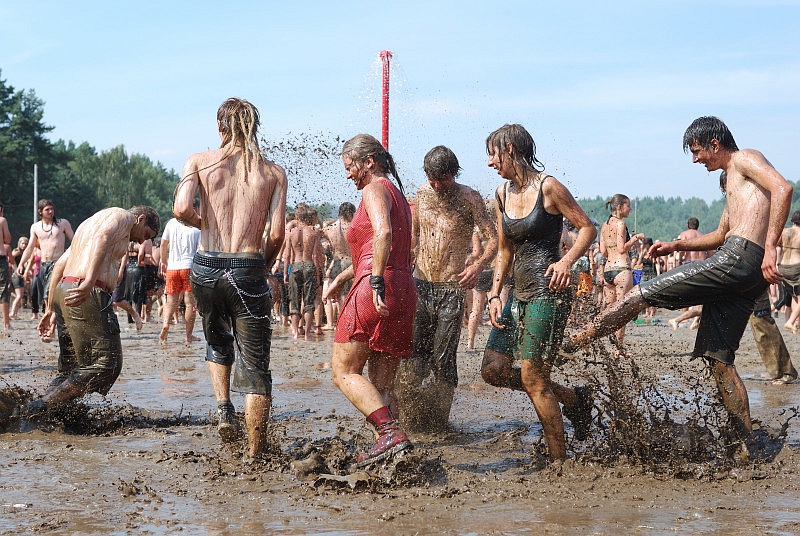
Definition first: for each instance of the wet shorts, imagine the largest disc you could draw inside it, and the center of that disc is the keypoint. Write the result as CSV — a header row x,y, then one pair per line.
x,y
533,330
88,338
437,330
726,285
233,299
178,281
360,322
302,288
5,280
45,271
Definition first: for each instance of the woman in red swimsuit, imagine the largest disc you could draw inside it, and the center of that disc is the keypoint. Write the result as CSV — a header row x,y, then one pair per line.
x,y
376,322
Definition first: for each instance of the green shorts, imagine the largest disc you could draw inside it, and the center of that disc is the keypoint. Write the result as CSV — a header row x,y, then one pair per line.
x,y
533,330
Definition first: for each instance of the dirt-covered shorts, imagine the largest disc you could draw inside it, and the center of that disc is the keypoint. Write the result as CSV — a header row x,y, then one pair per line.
x,y
88,337
725,284
437,329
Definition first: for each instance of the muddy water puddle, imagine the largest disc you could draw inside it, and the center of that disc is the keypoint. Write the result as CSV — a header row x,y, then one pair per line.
x,y
163,470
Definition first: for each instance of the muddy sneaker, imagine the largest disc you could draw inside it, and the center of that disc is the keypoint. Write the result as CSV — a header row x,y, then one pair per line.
x,y
228,426
580,415
391,440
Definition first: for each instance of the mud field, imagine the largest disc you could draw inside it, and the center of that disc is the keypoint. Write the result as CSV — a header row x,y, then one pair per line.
x,y
147,459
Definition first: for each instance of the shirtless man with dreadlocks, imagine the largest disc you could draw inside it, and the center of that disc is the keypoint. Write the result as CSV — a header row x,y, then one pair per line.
x,y
241,222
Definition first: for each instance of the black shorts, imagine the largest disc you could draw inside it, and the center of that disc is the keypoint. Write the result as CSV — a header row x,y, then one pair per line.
x,y
6,288
726,285
233,299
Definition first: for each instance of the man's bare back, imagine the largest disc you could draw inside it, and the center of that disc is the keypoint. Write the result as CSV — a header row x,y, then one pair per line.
x,y
303,243
691,256
107,233
233,219
443,226
336,233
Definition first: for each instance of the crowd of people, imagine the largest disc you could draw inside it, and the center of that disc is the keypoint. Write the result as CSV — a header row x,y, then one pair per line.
x,y
398,276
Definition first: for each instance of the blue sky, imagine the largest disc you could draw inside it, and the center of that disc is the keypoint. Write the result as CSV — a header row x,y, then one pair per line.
x,y
605,88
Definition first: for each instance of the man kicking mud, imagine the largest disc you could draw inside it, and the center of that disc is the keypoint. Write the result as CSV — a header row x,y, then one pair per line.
x,y
90,357
243,205
444,219
728,283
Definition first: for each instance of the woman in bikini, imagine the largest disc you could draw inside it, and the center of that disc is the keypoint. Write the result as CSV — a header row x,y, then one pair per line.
x,y
615,244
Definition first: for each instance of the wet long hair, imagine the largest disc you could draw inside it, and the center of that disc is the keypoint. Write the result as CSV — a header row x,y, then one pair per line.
x,y
615,201
45,203
520,139
239,121
361,146
707,128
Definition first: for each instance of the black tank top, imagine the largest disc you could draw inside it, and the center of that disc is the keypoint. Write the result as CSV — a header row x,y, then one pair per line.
x,y
536,239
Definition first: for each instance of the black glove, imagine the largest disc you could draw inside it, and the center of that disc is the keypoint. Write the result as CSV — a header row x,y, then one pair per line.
x,y
378,285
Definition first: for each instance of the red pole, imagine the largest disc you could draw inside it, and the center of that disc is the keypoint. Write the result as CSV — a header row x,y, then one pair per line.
x,y
385,57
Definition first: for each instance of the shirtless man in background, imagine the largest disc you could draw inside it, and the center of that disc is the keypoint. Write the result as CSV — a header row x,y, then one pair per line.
x,y
301,252
243,206
90,357
692,226
50,235
443,222
729,282
336,233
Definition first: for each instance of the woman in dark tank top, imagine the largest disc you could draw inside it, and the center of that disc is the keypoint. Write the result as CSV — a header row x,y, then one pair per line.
x,y
531,206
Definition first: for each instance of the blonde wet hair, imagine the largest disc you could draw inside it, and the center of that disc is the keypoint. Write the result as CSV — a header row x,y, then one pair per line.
x,y
239,121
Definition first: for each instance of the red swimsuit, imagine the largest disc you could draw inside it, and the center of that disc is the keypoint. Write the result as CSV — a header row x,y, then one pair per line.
x,y
359,320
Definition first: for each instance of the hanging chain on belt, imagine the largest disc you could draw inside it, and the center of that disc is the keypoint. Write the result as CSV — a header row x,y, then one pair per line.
x,y
241,293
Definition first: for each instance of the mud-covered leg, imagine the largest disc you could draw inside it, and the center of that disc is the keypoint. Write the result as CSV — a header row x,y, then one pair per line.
x,y
609,320
734,396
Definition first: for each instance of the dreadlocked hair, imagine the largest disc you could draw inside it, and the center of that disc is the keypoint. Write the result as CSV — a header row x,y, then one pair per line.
x,y
239,121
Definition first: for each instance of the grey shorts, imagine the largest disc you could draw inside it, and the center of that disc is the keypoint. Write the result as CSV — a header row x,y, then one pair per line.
x,y
726,285
437,330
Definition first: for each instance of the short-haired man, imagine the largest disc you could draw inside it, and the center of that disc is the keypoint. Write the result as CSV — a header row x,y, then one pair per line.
x,y
692,226
243,205
727,283
90,357
301,253
442,226
178,245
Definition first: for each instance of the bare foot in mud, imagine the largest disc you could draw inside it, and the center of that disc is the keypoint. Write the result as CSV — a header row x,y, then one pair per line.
x,y
190,340
673,324
162,337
